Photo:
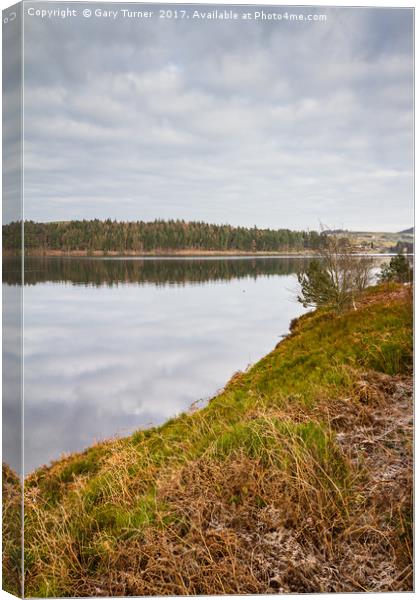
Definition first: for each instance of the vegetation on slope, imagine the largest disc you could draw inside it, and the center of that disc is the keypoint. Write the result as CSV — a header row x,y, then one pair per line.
x,y
11,532
295,478
158,236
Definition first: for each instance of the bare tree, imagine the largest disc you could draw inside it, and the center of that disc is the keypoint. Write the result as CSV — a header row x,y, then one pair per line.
x,y
336,277
362,273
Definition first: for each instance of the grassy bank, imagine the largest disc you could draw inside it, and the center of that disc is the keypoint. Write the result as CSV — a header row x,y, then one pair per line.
x,y
295,478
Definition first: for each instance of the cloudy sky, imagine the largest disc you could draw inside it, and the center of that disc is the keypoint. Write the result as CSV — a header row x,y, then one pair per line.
x,y
271,123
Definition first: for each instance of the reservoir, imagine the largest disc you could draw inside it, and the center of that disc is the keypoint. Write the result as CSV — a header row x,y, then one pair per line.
x,y
112,345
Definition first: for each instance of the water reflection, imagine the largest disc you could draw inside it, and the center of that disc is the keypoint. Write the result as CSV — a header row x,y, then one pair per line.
x,y
115,345
163,271
12,378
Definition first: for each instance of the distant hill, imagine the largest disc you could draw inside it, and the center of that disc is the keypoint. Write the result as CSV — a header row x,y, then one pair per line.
x,y
380,241
410,231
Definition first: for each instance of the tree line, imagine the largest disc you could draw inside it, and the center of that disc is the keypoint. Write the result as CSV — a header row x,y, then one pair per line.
x,y
156,236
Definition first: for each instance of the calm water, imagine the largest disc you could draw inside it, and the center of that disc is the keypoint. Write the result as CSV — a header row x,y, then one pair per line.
x,y
113,345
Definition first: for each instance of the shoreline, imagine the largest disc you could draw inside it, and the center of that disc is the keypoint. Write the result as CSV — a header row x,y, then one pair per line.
x,y
154,254
180,254
115,439
277,455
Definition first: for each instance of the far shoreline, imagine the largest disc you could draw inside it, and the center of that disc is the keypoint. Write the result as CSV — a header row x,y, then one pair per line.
x,y
177,254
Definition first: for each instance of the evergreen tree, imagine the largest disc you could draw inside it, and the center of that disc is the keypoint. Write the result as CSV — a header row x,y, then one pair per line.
x,y
398,269
158,236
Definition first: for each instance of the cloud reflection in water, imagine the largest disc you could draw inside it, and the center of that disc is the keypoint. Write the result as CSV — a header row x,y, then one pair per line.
x,y
103,361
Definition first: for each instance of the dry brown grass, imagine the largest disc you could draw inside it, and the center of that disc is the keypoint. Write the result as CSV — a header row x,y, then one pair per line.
x,y
11,531
240,526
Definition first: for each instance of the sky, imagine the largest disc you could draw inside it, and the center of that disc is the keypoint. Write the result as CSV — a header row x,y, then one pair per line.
x,y
268,123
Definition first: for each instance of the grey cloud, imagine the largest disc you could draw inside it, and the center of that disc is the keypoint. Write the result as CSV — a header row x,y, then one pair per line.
x,y
248,123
